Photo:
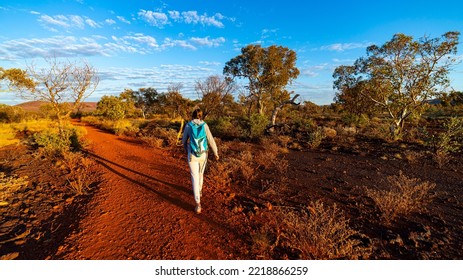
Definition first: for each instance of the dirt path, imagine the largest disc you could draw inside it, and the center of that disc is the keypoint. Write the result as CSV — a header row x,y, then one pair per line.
x,y
144,209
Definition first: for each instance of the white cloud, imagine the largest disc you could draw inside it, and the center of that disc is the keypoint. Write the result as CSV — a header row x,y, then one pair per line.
x,y
340,47
59,46
92,23
34,13
175,15
208,42
170,43
143,39
343,61
110,21
122,19
77,21
154,18
210,63
192,17
57,20
160,19
315,70
66,22
114,80
70,46
268,32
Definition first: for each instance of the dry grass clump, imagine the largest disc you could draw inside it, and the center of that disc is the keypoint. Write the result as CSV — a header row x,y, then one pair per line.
x,y
405,195
153,141
263,241
80,175
221,172
7,135
9,185
159,137
323,233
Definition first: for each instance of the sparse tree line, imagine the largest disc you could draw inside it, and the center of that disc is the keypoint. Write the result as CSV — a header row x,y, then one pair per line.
x,y
395,80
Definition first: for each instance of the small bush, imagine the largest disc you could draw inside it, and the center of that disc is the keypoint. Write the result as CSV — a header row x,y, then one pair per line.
x,y
322,233
303,125
355,120
122,127
315,138
405,196
80,175
257,124
53,143
225,127
449,141
377,129
160,137
11,114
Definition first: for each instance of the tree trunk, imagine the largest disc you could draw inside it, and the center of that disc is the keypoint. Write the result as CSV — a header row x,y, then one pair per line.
x,y
271,127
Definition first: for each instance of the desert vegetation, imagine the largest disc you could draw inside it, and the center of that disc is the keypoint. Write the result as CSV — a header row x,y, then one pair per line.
x,y
375,175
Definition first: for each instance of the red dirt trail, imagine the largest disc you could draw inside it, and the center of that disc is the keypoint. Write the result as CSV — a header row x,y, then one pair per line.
x,y
143,209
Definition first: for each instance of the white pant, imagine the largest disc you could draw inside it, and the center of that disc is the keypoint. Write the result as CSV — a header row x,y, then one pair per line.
x,y
197,167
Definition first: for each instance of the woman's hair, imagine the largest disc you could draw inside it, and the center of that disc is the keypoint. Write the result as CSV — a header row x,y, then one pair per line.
x,y
198,114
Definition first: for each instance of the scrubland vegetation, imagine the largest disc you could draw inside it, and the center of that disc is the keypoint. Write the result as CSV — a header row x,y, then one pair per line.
x,y
376,116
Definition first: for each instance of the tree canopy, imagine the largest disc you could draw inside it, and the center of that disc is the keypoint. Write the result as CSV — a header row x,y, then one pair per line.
x,y
268,72
17,78
400,75
216,94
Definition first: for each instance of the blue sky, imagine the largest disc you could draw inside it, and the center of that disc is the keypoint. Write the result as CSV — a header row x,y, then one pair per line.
x,y
151,43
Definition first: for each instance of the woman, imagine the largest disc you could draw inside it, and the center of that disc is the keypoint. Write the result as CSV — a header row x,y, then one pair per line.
x,y
196,139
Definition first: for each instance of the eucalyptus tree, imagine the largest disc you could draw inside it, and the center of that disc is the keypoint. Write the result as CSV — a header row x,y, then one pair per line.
x,y
403,73
268,71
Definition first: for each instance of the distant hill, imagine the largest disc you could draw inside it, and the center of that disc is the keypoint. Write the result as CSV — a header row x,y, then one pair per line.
x,y
31,106
34,106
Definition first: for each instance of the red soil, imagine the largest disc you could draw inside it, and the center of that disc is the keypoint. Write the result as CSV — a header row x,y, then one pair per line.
x,y
144,209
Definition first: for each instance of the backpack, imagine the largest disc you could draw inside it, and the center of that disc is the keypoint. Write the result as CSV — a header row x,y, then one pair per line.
x,y
198,139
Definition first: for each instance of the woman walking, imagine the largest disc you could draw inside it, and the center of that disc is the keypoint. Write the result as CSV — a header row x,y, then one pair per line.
x,y
196,139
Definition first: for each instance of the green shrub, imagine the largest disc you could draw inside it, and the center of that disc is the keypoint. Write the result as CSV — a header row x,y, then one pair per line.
x,y
303,125
54,143
225,127
257,124
315,138
450,140
128,127
11,114
355,120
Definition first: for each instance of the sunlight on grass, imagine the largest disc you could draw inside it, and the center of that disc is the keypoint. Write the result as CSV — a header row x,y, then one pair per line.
x,y
7,135
8,132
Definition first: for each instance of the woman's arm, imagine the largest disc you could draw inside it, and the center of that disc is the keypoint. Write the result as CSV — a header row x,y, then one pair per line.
x,y
186,133
211,142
